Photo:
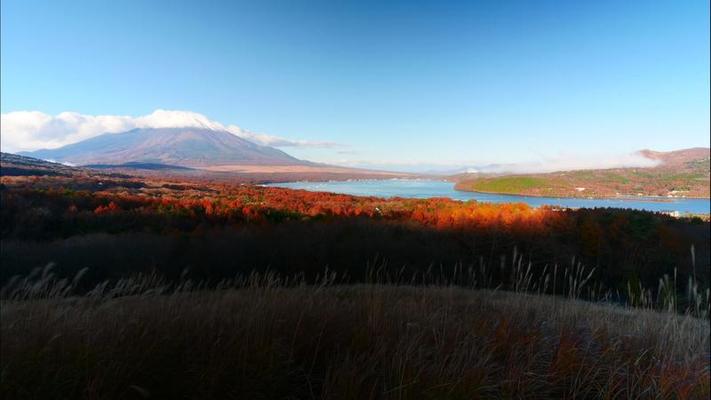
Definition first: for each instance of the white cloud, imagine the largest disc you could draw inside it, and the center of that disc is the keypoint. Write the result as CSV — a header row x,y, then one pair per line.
x,y
548,164
277,141
570,163
32,130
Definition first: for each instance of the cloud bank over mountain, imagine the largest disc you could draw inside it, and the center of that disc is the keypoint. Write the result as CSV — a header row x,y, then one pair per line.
x,y
32,130
570,163
549,164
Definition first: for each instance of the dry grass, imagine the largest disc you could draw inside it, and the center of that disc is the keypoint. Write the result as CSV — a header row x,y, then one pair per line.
x,y
265,338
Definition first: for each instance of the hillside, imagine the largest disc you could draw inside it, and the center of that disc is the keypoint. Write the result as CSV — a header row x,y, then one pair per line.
x,y
117,286
268,341
682,173
187,147
17,165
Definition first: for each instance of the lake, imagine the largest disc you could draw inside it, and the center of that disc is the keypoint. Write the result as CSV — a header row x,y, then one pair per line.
x,y
416,188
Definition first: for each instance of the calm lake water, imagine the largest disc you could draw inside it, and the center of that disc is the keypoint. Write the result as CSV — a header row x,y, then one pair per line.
x,y
433,188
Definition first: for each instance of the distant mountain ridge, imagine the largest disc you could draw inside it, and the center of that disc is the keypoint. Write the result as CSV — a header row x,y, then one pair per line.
x,y
680,173
677,157
185,147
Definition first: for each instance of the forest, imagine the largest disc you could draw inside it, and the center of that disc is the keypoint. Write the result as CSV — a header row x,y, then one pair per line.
x,y
116,225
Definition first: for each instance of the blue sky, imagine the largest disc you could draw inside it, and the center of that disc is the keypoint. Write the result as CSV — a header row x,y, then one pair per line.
x,y
391,82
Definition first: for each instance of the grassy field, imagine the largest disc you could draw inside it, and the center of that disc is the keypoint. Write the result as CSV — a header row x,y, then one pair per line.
x,y
267,338
509,184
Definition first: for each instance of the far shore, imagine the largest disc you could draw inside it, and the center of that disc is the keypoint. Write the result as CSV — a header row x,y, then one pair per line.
x,y
643,197
650,197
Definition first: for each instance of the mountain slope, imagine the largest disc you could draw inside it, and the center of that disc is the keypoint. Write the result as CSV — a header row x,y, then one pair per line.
x,y
677,158
188,147
15,165
681,173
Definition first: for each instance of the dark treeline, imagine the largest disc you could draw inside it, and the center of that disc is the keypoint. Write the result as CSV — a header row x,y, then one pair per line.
x,y
352,247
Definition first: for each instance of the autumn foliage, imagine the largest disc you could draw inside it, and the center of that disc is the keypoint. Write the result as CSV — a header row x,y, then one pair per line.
x,y
282,225
232,204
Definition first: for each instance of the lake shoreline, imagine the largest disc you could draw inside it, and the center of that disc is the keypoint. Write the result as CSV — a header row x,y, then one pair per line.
x,y
650,198
431,188
659,199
